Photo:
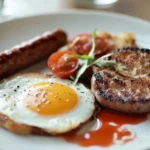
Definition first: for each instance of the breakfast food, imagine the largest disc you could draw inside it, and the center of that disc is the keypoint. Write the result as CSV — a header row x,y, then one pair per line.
x,y
63,63
124,85
118,40
36,103
28,53
105,42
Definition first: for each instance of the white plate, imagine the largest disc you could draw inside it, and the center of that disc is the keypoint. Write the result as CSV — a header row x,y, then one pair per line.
x,y
74,22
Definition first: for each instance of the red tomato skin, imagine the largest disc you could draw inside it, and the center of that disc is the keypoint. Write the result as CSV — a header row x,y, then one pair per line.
x,y
60,67
84,44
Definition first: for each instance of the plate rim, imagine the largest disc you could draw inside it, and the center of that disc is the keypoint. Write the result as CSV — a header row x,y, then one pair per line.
x,y
75,12
79,12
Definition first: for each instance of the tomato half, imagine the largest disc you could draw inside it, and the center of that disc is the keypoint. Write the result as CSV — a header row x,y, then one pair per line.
x,y
84,44
62,65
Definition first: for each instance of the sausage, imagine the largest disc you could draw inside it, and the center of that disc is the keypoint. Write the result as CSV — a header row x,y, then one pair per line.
x,y
30,52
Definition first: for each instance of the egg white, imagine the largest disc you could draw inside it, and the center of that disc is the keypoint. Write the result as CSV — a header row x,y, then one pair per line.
x,y
12,105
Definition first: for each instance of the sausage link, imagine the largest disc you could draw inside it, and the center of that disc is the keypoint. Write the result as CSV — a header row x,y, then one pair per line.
x,y
30,52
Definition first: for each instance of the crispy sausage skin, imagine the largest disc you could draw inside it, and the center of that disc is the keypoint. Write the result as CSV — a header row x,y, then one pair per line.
x,y
30,52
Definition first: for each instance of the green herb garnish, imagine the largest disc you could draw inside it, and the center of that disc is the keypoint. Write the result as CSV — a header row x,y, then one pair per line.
x,y
120,67
83,57
88,61
105,63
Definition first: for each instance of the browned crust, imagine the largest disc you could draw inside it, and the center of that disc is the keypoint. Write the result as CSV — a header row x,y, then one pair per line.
x,y
13,126
23,129
103,80
35,50
18,128
119,40
115,41
126,90
125,101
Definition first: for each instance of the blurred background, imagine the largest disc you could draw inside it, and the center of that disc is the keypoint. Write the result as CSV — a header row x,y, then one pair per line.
x,y
137,8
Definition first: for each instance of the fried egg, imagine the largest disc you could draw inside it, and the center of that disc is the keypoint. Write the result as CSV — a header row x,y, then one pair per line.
x,y
52,104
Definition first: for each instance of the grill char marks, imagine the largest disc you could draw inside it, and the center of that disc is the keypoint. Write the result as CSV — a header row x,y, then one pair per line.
x,y
133,49
125,90
99,78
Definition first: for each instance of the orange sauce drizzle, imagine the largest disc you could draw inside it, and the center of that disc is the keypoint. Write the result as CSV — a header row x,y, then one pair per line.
x,y
109,131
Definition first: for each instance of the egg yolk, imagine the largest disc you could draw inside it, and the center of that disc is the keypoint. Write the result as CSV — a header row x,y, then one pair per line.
x,y
48,98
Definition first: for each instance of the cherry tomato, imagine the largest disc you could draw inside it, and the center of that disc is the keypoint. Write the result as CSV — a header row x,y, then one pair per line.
x,y
84,44
62,65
